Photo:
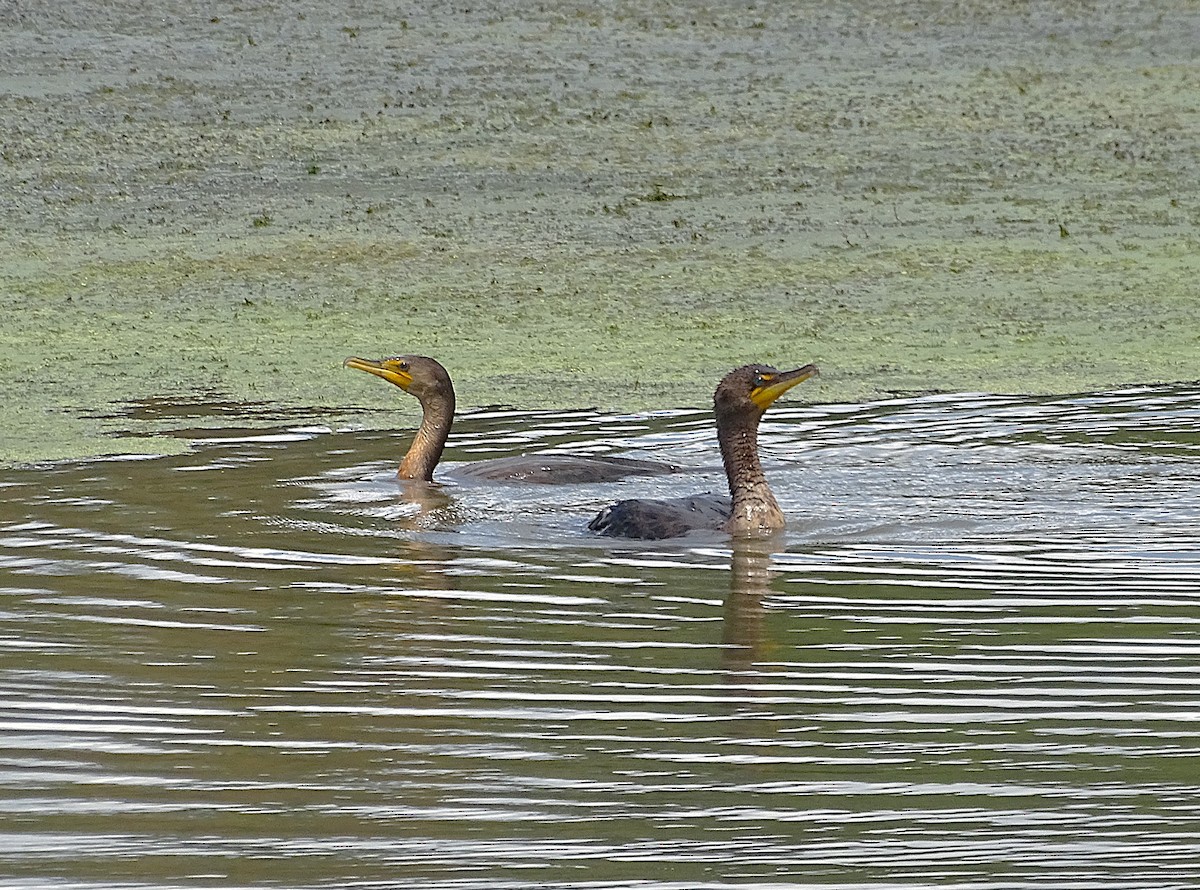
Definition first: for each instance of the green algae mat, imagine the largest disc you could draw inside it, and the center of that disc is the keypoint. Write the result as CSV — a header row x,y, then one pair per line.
x,y
203,214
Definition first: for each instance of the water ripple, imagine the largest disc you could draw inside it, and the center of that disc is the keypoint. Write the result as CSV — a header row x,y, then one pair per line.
x,y
971,659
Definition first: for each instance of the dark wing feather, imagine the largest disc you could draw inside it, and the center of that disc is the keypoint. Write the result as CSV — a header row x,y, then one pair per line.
x,y
561,469
653,520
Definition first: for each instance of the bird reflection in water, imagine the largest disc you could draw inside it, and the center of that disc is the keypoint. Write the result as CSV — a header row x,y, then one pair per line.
x,y
423,564
743,638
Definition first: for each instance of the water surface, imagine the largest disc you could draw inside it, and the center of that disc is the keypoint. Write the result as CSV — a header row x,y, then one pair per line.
x,y
971,660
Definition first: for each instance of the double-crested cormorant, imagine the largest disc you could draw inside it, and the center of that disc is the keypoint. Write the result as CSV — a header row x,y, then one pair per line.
x,y
739,402
426,379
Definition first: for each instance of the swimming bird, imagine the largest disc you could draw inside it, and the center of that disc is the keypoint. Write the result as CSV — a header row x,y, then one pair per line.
x,y
430,383
740,400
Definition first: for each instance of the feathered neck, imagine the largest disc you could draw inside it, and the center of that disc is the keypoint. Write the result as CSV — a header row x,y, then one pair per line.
x,y
437,415
754,506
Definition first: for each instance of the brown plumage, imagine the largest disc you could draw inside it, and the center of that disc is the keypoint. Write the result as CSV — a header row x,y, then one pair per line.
x,y
430,383
739,402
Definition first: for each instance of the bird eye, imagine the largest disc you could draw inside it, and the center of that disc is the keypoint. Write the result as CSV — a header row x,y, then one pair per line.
x,y
403,366
760,380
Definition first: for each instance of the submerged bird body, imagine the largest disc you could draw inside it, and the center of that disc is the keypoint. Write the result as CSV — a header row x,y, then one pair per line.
x,y
430,383
739,402
561,469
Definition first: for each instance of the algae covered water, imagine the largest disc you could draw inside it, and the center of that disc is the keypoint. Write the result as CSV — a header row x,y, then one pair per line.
x,y
970,661
577,205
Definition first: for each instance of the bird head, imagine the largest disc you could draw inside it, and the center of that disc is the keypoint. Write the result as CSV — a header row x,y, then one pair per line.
x,y
419,375
750,390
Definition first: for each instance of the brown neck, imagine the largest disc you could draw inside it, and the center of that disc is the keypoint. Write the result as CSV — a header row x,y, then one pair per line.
x,y
426,449
754,506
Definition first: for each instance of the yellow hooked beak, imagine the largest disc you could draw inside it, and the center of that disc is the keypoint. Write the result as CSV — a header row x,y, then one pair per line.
x,y
393,370
772,386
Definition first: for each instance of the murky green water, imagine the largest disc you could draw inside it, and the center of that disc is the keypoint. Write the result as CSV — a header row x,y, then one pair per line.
x,y
971,661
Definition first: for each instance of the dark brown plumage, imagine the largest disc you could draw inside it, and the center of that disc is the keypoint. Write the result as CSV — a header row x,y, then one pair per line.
x,y
739,402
